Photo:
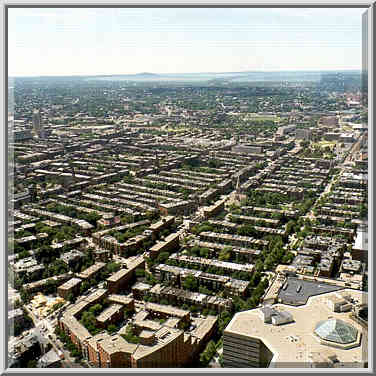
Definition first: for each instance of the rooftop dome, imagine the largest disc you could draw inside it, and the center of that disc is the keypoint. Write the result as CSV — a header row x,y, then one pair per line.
x,y
337,331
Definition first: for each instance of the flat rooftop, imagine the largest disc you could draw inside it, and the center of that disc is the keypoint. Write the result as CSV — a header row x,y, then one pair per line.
x,y
109,312
164,336
118,275
71,283
308,289
116,344
169,310
91,270
292,343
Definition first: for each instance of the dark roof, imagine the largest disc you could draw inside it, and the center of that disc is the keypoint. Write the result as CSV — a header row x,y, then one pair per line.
x,y
308,289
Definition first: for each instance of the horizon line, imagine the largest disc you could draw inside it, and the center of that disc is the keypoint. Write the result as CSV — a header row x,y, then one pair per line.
x,y
178,73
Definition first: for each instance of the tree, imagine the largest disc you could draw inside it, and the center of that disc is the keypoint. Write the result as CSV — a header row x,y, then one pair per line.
x,y
96,309
256,278
221,361
259,266
150,278
223,320
140,272
113,267
56,306
290,227
31,364
205,228
225,254
204,290
130,336
162,257
17,304
84,286
194,251
88,321
287,258
204,252
246,230
111,328
208,353
25,296
190,283
23,254
268,264
127,313
363,211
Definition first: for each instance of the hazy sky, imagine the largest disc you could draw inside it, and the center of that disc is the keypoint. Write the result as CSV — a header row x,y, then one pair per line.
x,y
121,41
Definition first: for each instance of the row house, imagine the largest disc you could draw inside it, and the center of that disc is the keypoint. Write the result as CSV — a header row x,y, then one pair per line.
x,y
179,297
238,253
234,240
229,267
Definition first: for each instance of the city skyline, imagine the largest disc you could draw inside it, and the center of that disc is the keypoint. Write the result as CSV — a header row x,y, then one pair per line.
x,y
133,40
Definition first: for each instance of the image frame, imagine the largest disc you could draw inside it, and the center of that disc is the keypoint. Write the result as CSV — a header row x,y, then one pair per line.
x,y
368,7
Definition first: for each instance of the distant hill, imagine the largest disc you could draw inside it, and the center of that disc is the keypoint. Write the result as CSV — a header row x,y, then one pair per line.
x,y
146,74
327,79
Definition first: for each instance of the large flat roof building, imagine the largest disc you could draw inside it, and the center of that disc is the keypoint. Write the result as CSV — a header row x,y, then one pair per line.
x,y
250,341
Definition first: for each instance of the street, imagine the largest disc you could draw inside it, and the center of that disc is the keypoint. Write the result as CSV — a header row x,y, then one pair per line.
x,y
45,332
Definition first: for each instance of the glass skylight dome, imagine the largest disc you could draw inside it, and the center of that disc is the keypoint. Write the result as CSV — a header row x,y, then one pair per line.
x,y
335,330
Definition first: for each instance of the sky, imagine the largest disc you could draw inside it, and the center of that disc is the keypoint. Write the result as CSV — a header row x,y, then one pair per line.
x,y
107,41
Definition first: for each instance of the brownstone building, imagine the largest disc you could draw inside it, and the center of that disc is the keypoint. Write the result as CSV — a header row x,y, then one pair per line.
x,y
112,315
119,280
70,287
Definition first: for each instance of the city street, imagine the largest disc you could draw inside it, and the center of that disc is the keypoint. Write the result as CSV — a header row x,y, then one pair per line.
x,y
45,331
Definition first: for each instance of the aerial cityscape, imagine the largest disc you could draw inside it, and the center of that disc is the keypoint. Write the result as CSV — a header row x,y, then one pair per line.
x,y
188,220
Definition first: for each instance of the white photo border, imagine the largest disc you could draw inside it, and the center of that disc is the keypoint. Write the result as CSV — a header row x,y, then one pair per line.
x,y
369,8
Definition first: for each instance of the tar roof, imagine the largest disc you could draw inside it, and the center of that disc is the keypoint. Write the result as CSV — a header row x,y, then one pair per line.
x,y
308,288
